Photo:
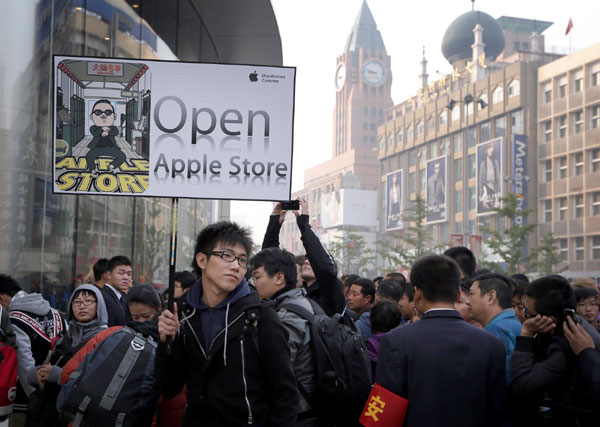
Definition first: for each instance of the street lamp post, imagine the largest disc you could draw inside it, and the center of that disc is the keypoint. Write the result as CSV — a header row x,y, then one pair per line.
x,y
468,99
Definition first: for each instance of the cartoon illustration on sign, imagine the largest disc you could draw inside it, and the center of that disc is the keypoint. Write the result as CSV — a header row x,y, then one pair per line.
x,y
102,126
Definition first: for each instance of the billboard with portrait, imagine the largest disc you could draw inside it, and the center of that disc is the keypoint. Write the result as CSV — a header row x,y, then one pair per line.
x,y
437,181
129,127
393,197
489,176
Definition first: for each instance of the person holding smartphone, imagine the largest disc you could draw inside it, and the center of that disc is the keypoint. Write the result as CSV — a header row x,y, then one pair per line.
x,y
543,367
588,358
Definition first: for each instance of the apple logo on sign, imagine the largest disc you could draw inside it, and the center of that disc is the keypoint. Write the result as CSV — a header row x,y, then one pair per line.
x,y
253,77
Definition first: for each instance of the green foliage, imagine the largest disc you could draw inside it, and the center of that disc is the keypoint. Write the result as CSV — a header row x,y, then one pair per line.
x,y
546,257
509,244
351,253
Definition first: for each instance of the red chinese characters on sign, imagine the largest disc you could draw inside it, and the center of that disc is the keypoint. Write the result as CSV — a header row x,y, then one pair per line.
x,y
111,69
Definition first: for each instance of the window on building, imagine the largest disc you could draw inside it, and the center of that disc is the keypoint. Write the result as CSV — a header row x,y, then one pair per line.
x,y
595,203
595,247
547,96
458,175
445,145
562,167
423,180
458,202
547,210
430,123
412,182
577,164
525,46
472,193
498,95
516,121
433,149
409,132
548,171
412,157
517,46
458,143
382,143
562,90
365,125
469,108
594,160
595,78
471,137
578,249
471,166
578,205
562,126
500,127
562,209
578,84
373,112
547,130
455,113
485,133
563,249
595,117
578,121
443,118
400,136
514,88
420,127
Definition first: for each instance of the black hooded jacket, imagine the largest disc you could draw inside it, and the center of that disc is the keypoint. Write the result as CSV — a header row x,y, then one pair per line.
x,y
244,376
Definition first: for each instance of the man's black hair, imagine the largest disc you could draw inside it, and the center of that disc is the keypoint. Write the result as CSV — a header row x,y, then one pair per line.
x,y
221,232
144,294
274,260
583,292
465,284
299,259
367,288
520,278
100,267
103,101
480,272
552,295
9,286
396,276
499,283
116,261
407,289
389,290
520,290
437,276
350,279
464,258
85,293
385,316
378,279
186,279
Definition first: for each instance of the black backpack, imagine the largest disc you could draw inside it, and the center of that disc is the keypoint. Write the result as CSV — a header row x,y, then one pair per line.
x,y
342,367
114,384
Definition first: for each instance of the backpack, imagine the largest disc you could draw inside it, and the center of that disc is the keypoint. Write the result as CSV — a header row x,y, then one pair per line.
x,y
114,384
342,366
8,376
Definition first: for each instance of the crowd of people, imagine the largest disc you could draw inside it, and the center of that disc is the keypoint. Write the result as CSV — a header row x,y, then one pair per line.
x,y
276,339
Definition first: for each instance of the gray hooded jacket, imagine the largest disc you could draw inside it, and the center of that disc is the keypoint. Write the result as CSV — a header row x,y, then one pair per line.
x,y
299,340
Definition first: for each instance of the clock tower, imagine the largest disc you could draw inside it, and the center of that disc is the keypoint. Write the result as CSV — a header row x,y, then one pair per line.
x,y
363,81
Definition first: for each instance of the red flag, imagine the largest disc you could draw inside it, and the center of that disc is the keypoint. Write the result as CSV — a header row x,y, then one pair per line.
x,y
569,26
383,409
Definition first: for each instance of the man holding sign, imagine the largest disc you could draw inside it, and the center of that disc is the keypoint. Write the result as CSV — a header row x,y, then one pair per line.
x,y
431,363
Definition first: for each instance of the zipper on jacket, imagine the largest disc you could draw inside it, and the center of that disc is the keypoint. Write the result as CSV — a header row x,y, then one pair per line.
x,y
250,421
195,336
223,330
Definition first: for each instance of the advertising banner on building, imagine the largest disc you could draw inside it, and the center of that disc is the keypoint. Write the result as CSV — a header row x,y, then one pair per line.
x,y
519,178
437,181
489,176
350,207
139,127
394,205
457,240
475,242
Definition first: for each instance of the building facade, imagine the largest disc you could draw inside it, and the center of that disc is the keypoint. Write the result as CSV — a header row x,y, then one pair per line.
x,y
51,240
568,158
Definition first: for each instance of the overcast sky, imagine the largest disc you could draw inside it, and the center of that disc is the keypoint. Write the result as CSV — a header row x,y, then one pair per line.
x,y
313,34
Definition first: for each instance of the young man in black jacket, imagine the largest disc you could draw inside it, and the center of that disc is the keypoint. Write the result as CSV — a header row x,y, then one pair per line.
x,y
228,348
319,272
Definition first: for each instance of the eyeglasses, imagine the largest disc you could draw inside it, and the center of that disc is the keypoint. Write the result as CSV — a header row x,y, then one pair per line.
x,y
588,304
229,257
105,112
83,302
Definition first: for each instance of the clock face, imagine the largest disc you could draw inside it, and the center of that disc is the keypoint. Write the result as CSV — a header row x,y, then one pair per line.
x,y
373,72
340,76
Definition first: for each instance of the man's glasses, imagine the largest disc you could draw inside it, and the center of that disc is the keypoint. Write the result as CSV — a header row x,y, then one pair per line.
x,y
229,257
588,304
83,302
105,112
